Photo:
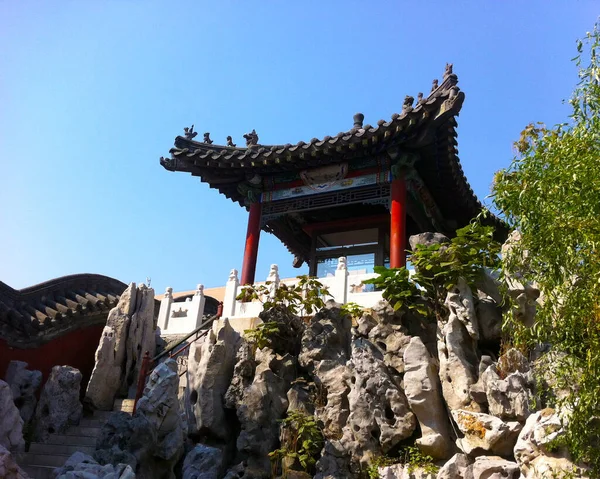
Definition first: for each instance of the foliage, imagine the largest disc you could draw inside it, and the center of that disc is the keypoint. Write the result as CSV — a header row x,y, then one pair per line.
x,y
262,335
410,456
438,267
551,195
352,309
303,298
302,441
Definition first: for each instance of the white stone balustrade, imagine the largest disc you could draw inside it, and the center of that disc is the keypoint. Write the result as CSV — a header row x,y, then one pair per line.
x,y
181,317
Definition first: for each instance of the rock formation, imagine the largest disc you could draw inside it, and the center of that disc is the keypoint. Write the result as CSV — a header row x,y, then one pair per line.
x,y
128,334
9,469
24,385
151,441
59,406
203,462
11,423
80,465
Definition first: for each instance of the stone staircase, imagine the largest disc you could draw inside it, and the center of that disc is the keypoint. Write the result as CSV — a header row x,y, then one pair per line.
x,y
41,459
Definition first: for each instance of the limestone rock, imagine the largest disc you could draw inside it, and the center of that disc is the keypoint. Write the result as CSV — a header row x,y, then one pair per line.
x,y
533,452
493,467
379,414
203,462
391,340
326,337
152,440
423,391
401,471
457,349
24,385
260,407
210,370
333,380
59,405
80,465
11,423
9,469
508,398
334,462
485,434
489,320
128,334
300,399
243,374
427,239
455,468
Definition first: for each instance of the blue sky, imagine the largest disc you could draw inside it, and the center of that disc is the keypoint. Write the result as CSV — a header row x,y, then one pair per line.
x,y
94,92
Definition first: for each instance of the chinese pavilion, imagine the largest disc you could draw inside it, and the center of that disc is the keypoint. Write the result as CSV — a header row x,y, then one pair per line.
x,y
358,194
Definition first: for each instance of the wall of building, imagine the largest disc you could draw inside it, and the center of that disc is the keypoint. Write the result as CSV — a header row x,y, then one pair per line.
x,y
76,349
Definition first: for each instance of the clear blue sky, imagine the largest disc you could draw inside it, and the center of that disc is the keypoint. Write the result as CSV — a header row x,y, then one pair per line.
x,y
92,93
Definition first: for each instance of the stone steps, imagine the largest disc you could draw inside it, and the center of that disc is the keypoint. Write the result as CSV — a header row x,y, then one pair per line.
x,y
42,458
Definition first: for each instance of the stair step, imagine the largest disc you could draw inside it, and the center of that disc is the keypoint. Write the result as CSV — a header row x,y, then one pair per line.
x,y
50,449
39,472
83,431
89,422
48,460
102,415
64,439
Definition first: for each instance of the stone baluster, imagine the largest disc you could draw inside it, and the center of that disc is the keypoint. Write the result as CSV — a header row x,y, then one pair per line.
x,y
339,290
273,279
231,292
198,302
165,309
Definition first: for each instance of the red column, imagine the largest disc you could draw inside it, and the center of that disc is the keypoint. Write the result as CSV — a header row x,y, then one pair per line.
x,y
251,250
398,223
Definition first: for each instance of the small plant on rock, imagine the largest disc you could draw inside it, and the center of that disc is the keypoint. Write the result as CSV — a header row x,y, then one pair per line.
x,y
301,443
262,336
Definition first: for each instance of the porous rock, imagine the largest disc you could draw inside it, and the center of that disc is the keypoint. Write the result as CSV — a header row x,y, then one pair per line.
x,y
59,406
423,391
493,467
80,465
427,239
209,374
203,462
24,385
455,467
535,450
379,414
333,380
485,434
457,340
9,469
128,334
152,440
11,423
403,471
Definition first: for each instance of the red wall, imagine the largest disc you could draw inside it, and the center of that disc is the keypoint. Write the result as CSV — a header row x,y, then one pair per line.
x,y
76,349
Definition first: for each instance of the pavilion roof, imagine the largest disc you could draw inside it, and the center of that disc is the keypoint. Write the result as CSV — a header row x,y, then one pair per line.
x,y
426,127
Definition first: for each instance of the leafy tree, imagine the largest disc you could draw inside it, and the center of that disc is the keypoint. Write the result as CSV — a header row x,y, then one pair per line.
x,y
551,195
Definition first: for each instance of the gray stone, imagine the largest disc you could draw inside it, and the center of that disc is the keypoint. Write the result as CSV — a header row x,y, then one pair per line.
x,y
24,385
402,471
333,380
533,451
493,467
300,399
259,408
455,468
128,334
152,440
379,416
335,462
427,239
9,469
11,423
509,398
209,374
489,320
423,391
203,462
82,466
457,341
327,336
59,405
391,340
485,434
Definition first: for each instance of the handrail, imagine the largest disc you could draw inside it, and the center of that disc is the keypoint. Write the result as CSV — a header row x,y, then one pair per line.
x,y
148,363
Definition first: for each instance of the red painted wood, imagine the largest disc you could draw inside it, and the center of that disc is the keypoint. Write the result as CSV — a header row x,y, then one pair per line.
x,y
398,223
346,224
251,249
76,349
